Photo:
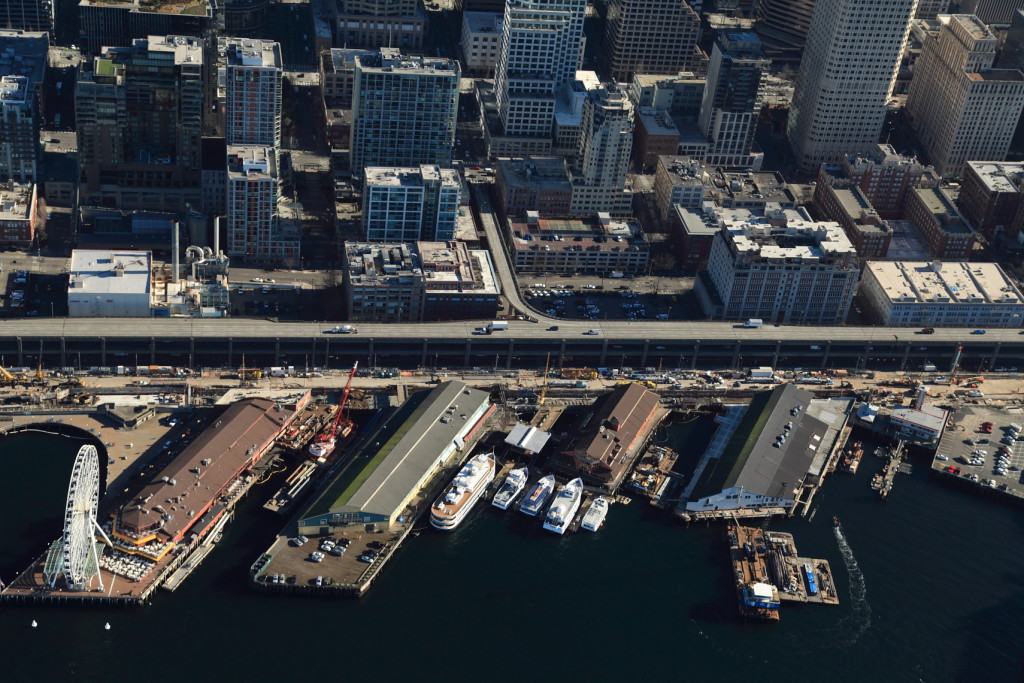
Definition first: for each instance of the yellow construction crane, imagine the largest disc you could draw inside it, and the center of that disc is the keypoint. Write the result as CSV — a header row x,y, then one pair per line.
x,y
544,389
7,377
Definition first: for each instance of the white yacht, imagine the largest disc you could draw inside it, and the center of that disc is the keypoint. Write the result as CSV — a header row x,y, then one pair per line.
x,y
514,484
538,496
462,494
594,517
564,507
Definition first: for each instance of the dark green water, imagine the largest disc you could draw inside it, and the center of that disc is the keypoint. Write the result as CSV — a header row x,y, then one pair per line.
x,y
931,592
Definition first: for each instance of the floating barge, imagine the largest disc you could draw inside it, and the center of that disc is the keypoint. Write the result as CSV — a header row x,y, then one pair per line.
x,y
757,597
800,579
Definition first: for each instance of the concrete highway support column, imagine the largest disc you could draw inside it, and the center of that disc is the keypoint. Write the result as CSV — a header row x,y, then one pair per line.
x,y
643,358
191,351
906,356
63,353
775,356
277,350
696,352
604,353
152,351
465,354
736,355
561,353
824,357
423,355
231,352
327,352
995,355
103,350
21,353
369,354
511,349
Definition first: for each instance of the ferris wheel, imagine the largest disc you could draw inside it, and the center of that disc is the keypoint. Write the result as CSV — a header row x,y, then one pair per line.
x,y
75,555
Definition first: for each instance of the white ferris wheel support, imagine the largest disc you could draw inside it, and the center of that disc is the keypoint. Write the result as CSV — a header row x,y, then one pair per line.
x,y
77,542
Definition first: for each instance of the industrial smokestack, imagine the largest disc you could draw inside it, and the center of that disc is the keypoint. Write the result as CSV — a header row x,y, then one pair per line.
x,y
175,248
216,237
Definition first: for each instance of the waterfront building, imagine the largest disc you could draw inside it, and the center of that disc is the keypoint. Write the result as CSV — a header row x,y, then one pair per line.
x,y
109,284
418,281
959,106
253,71
404,108
410,204
788,436
567,246
732,99
481,40
261,227
919,424
428,432
28,15
540,184
937,294
527,440
540,51
139,115
22,71
21,214
609,436
118,23
990,198
849,42
933,212
780,267
651,37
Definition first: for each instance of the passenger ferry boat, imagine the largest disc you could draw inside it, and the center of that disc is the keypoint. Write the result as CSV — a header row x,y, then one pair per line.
x,y
514,484
564,507
594,518
538,496
458,499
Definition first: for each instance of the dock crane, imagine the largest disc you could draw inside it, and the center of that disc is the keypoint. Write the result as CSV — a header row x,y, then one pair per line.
x,y
324,443
544,390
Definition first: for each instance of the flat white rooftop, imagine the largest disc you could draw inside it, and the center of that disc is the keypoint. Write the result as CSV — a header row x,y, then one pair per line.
x,y
99,271
945,282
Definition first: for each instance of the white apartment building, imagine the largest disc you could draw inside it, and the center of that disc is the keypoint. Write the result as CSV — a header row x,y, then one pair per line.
x,y
541,48
255,229
781,267
410,204
941,294
481,39
846,76
602,159
959,106
252,88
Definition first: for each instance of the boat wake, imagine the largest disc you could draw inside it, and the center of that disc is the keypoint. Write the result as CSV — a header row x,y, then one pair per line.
x,y
859,620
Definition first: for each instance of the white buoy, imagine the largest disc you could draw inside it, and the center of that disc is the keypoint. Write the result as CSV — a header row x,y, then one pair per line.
x,y
107,626
34,624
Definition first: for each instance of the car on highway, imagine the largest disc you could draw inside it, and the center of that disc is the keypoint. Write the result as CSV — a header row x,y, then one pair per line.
x,y
978,332
928,330
553,328
592,332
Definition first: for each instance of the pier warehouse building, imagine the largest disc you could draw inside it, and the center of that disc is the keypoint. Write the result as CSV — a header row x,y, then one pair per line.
x,y
780,445
609,438
417,442
183,499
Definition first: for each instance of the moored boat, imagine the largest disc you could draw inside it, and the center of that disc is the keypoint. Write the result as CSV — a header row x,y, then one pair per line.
x,y
458,499
537,496
594,517
760,600
564,507
514,484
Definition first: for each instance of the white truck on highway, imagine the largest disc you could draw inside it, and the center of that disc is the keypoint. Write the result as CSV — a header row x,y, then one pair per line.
x,y
753,322
496,325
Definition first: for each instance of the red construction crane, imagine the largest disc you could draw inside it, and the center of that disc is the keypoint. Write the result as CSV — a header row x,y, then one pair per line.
x,y
325,441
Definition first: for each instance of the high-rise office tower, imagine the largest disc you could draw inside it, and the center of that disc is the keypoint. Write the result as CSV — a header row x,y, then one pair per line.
x,y
27,15
541,48
139,117
990,11
783,26
602,162
961,108
929,9
729,112
846,77
252,83
22,69
404,110
650,37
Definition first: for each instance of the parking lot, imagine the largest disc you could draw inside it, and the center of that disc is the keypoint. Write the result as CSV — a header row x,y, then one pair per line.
x,y
606,302
32,294
993,459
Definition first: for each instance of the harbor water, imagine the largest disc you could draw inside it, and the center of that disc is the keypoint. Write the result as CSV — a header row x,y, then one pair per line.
x,y
929,583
